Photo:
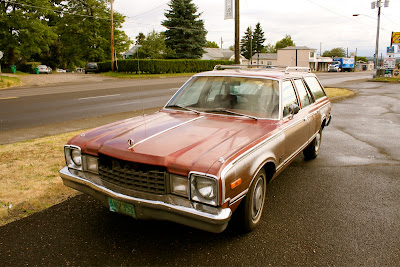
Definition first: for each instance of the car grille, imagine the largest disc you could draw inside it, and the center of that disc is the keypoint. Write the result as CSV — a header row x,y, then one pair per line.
x,y
133,176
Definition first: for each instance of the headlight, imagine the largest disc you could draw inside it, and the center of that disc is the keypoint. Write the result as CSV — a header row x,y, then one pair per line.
x,y
179,185
204,189
92,164
73,157
76,157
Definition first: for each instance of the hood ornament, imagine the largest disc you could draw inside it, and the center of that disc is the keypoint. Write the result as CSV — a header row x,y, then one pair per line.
x,y
131,143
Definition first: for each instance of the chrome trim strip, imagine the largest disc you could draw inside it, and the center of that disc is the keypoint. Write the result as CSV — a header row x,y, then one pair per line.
x,y
238,197
159,133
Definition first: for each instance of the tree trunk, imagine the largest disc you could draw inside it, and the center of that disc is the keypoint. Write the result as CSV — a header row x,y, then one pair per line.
x,y
11,56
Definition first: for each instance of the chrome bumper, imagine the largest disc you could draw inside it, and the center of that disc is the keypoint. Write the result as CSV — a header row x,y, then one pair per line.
x,y
177,209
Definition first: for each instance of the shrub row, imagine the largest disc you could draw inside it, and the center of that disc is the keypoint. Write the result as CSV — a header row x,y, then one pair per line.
x,y
159,66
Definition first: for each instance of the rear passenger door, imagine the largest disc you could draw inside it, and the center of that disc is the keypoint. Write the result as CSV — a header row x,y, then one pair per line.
x,y
318,95
306,101
295,128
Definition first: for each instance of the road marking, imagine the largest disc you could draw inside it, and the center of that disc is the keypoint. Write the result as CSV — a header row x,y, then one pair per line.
x,y
94,97
5,98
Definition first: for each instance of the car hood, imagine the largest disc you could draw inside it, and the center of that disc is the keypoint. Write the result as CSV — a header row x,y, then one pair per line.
x,y
180,141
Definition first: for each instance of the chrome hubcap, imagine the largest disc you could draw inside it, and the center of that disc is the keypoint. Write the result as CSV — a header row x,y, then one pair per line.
x,y
258,198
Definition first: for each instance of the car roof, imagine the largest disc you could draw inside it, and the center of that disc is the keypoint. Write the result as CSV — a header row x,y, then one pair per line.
x,y
277,74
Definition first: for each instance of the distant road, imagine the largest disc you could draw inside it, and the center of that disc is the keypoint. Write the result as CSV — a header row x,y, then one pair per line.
x,y
34,106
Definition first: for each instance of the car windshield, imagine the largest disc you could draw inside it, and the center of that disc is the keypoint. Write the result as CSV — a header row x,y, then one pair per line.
x,y
251,97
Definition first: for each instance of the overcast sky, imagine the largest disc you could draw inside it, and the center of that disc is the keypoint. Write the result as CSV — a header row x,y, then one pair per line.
x,y
313,23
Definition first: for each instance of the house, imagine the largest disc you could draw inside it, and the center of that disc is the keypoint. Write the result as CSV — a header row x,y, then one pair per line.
x,y
265,59
217,54
129,54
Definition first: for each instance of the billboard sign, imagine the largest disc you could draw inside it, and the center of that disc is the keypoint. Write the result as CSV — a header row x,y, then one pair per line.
x,y
395,37
389,63
228,9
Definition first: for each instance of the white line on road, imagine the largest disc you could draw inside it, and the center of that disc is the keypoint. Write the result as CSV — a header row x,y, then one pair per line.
x,y
94,97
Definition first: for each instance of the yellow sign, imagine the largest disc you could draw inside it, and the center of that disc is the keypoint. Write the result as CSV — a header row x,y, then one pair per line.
x,y
395,37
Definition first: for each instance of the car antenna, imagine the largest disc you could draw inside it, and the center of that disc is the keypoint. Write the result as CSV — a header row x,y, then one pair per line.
x,y
141,92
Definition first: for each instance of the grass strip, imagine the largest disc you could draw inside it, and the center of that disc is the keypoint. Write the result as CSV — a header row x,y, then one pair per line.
x,y
6,81
29,180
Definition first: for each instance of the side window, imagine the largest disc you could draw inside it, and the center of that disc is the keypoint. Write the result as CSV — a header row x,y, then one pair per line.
x,y
289,97
315,87
304,96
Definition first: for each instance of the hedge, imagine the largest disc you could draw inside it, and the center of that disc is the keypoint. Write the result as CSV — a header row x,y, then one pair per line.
x,y
159,66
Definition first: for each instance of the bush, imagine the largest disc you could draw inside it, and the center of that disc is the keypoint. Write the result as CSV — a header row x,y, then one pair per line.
x,y
160,66
28,67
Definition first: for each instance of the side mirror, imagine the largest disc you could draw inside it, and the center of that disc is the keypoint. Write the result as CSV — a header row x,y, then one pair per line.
x,y
294,109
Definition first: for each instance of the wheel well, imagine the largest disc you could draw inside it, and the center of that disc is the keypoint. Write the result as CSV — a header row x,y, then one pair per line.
x,y
323,124
270,170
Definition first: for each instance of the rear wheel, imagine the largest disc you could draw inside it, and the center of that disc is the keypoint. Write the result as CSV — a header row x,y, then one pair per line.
x,y
312,150
254,202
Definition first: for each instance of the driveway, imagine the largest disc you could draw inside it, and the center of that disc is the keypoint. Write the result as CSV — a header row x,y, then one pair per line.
x,y
341,209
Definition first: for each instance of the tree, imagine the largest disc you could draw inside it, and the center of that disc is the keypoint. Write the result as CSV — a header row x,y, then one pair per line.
x,y
285,42
153,46
258,40
269,48
85,33
246,44
24,29
211,44
185,34
335,52
140,38
363,59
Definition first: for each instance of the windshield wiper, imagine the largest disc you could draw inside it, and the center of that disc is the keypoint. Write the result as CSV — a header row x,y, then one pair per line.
x,y
185,108
220,110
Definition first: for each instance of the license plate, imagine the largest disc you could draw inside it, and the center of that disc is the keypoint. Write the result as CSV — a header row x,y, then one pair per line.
x,y
121,207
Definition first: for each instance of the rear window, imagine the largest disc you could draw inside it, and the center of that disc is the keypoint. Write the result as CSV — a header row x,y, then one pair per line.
x,y
315,87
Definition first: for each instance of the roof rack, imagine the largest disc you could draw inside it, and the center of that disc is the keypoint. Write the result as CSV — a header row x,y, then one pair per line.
x,y
304,69
286,69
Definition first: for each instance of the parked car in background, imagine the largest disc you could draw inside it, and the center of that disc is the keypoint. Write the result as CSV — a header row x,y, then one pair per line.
x,y
79,70
44,69
60,70
91,67
209,152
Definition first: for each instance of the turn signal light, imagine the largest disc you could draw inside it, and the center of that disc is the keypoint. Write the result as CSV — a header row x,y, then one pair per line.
x,y
236,183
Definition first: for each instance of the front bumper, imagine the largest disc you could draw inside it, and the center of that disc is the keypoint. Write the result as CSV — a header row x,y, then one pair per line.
x,y
159,207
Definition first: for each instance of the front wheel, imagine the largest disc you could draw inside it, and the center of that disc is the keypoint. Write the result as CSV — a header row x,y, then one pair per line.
x,y
254,202
312,150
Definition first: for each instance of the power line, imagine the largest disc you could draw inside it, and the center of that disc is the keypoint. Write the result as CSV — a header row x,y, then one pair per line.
x,y
148,11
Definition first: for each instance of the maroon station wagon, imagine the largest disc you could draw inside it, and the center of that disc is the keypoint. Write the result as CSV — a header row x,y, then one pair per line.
x,y
209,152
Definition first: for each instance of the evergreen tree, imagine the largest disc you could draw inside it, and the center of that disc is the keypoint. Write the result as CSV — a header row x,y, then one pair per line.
x,y
186,35
247,45
258,40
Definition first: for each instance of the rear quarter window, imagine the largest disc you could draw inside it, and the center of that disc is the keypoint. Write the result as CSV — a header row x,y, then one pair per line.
x,y
315,87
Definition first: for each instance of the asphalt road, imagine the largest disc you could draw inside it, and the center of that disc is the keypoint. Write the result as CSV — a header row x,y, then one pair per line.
x,y
341,209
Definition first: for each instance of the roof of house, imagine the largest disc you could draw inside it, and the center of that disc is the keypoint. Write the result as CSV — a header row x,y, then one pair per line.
x,y
218,53
297,48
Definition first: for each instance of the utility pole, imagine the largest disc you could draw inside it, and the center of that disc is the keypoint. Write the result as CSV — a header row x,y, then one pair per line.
x,y
378,4
237,32
112,35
